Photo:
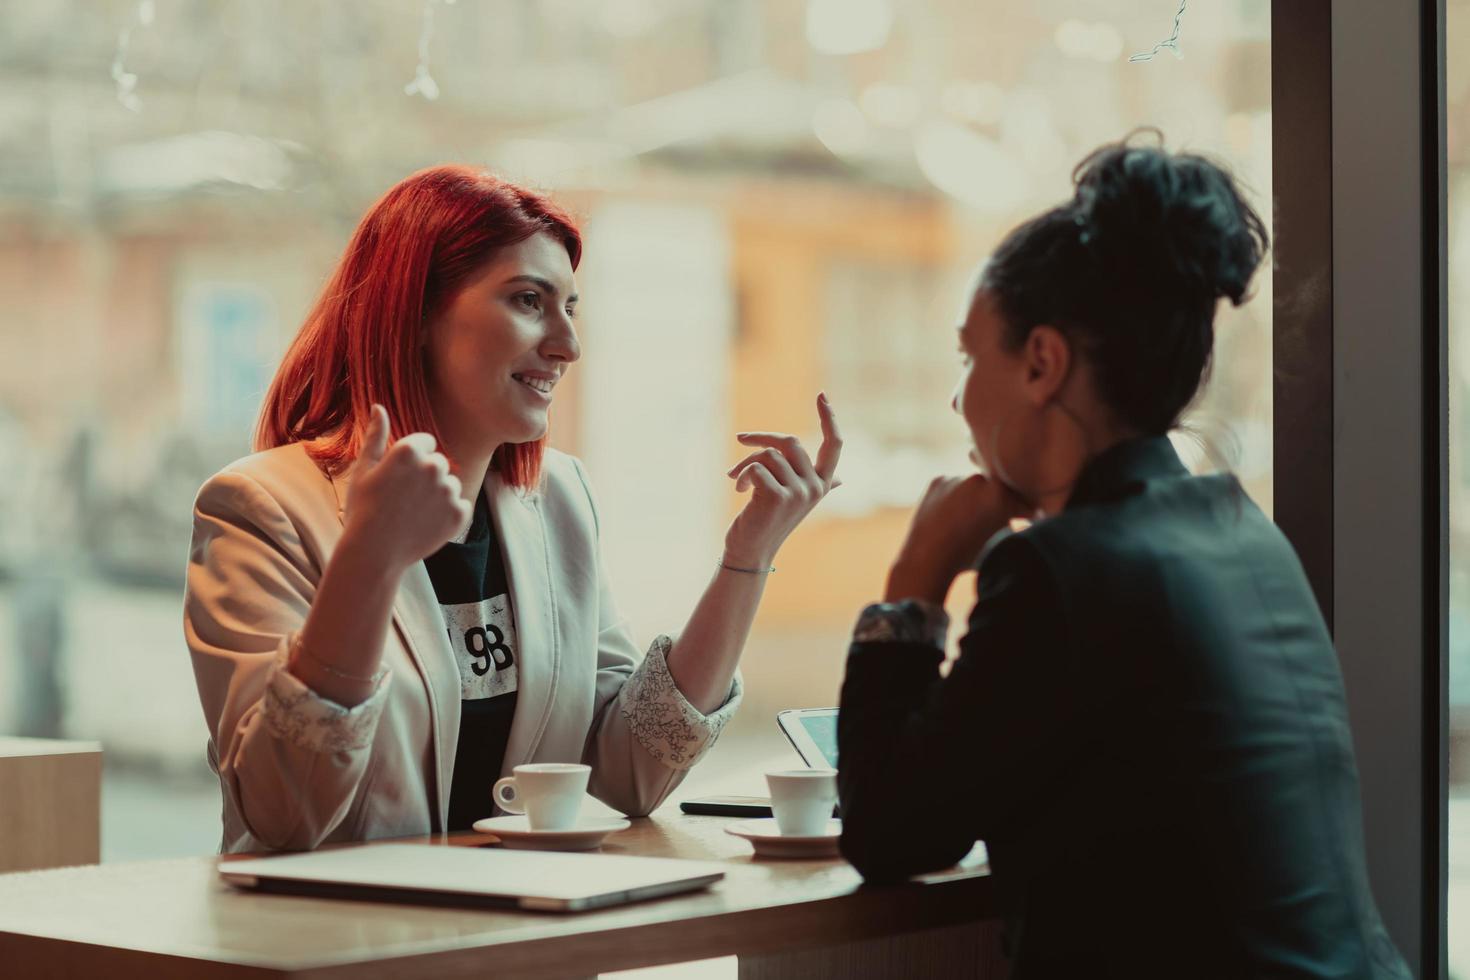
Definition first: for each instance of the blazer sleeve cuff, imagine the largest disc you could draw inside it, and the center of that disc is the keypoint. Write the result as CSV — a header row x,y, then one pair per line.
x,y
294,713
668,727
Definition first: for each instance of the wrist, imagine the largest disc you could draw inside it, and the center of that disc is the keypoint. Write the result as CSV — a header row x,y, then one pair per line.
x,y
346,687
363,552
910,580
747,557
905,621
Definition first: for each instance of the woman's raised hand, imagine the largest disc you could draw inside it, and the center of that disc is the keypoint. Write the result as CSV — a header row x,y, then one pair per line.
x,y
403,504
785,486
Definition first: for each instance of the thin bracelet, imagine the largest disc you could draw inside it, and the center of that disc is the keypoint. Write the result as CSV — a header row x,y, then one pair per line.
x,y
298,649
746,571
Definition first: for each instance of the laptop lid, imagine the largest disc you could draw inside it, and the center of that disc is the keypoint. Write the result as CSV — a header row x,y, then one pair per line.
x,y
541,880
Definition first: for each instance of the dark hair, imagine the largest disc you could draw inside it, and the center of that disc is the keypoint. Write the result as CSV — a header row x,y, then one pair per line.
x,y
1131,269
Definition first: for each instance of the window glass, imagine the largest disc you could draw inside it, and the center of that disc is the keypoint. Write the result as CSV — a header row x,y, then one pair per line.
x,y
779,198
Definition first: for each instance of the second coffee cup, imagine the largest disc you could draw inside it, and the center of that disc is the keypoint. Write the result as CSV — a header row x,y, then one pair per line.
x,y
802,799
548,793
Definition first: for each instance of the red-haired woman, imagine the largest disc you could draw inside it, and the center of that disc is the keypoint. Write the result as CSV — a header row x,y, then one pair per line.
x,y
399,596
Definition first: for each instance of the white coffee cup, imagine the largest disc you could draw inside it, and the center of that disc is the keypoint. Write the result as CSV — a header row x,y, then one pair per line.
x,y
548,793
802,800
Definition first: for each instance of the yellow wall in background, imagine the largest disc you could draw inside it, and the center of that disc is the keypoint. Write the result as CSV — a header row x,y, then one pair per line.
x,y
784,246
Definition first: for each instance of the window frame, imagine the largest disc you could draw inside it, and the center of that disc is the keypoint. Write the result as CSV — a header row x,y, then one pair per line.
x,y
1361,435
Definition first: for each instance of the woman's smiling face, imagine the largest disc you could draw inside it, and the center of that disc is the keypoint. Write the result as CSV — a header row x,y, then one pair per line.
x,y
497,352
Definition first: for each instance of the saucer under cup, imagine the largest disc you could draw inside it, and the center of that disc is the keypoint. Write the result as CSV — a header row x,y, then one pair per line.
x,y
587,835
769,842
548,793
802,800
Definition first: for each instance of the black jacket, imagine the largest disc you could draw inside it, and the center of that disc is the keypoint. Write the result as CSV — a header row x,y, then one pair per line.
x,y
1146,725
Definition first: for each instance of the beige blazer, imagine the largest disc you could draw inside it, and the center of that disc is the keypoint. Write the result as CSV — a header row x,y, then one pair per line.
x,y
297,770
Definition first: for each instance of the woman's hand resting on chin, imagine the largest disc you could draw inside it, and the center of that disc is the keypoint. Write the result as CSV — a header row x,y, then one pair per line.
x,y
955,518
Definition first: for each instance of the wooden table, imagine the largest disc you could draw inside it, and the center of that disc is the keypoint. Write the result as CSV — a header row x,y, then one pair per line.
x,y
50,803
808,918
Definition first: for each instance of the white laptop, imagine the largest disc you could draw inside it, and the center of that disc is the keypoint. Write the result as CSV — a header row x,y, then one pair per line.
x,y
540,880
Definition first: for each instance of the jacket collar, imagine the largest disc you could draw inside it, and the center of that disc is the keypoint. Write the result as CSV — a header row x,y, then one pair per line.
x,y
1122,470
522,536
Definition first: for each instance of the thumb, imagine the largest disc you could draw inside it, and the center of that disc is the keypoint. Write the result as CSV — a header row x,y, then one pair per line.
x,y
375,439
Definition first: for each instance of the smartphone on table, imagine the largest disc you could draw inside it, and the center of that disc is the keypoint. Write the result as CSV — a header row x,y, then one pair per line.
x,y
728,806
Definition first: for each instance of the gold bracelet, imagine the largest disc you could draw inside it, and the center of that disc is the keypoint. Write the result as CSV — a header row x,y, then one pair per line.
x,y
745,571
298,650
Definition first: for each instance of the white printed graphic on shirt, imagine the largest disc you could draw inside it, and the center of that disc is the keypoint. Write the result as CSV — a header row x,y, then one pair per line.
x,y
483,638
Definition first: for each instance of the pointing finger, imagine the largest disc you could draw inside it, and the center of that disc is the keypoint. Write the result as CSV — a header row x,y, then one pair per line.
x,y
831,449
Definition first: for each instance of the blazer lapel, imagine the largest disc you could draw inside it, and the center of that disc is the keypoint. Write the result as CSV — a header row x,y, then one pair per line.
x,y
420,625
518,528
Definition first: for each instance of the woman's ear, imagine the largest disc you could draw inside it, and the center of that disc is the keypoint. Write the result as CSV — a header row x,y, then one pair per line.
x,y
1048,355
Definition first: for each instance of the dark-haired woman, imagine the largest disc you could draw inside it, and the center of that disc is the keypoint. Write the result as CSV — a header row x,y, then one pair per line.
x,y
400,596
1146,722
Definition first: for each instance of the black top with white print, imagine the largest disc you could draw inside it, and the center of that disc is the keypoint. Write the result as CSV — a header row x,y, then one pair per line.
x,y
473,591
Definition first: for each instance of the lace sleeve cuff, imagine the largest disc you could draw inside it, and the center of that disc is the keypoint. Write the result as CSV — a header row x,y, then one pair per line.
x,y
296,714
909,621
671,729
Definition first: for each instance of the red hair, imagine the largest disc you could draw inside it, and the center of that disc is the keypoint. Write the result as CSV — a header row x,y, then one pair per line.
x,y
362,341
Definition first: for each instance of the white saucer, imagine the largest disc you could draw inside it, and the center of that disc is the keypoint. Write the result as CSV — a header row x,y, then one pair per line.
x,y
516,832
769,841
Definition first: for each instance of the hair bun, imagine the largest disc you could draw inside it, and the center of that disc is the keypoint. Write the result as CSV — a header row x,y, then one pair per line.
x,y
1166,224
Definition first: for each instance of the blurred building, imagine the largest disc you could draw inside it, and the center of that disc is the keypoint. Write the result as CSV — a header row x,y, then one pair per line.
x,y
779,198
